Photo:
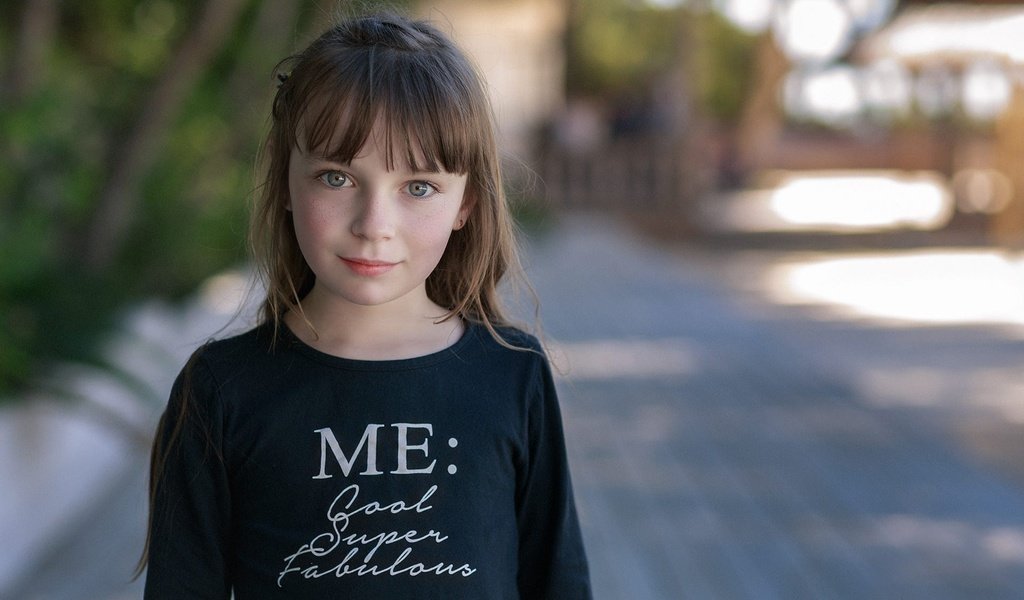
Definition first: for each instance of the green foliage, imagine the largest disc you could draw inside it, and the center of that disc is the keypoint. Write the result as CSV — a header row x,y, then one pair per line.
x,y
52,150
59,138
617,45
723,66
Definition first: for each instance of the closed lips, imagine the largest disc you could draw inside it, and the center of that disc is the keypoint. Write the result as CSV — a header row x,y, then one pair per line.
x,y
367,268
368,263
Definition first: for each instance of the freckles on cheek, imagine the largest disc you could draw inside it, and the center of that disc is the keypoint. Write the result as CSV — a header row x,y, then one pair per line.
x,y
318,212
434,228
311,221
311,210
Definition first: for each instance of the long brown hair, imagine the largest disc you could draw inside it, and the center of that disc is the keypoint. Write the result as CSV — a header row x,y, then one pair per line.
x,y
410,77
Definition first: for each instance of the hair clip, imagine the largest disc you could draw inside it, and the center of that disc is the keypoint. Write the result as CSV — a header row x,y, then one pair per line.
x,y
281,78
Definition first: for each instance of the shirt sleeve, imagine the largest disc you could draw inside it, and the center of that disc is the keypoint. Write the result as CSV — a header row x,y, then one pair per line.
x,y
190,511
552,561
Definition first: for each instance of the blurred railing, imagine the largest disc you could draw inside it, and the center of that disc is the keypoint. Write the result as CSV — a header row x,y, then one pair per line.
x,y
942,151
624,176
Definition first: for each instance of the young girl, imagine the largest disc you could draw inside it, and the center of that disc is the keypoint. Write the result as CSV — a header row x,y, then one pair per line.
x,y
383,433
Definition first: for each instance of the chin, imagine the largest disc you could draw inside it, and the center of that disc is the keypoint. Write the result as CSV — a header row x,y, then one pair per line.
x,y
370,297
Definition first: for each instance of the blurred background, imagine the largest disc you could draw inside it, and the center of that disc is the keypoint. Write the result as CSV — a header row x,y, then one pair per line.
x,y
777,242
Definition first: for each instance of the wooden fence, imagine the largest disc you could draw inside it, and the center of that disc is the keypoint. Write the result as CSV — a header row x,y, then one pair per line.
x,y
654,179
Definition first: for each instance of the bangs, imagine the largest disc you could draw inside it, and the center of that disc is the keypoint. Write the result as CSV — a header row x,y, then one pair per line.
x,y
420,103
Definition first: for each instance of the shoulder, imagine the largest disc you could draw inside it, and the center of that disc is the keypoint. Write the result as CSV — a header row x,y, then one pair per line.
x,y
508,342
219,359
510,352
520,339
243,347
221,371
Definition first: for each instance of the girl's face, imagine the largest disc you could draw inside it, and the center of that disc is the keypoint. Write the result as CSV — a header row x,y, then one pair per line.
x,y
370,235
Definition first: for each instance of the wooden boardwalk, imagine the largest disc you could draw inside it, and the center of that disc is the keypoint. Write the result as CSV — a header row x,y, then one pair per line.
x,y
718,451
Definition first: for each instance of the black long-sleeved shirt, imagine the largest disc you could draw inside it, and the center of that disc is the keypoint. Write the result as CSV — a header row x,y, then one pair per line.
x,y
299,474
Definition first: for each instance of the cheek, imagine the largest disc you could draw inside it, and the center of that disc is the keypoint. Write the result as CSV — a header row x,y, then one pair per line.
x,y
428,238
313,223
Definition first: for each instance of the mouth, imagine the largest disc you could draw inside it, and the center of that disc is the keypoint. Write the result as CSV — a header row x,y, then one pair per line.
x,y
366,267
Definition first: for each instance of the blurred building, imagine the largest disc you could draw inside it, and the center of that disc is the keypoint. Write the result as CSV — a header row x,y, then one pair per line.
x,y
897,88
874,85
518,46
968,58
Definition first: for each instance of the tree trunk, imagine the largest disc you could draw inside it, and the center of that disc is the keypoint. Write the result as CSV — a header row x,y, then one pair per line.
x,y
761,119
35,38
269,40
112,218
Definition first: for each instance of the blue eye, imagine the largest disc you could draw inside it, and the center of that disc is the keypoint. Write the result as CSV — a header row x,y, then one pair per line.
x,y
421,189
334,179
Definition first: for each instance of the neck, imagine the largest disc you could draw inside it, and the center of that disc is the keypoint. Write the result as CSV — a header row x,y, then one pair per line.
x,y
400,329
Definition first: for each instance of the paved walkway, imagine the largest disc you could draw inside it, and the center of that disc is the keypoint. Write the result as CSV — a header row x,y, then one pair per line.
x,y
723,448
744,455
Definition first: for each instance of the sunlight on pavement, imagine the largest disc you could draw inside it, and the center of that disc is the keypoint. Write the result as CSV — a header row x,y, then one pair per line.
x,y
913,287
1001,544
997,391
627,358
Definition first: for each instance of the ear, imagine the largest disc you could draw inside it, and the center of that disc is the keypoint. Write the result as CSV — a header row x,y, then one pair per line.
x,y
468,204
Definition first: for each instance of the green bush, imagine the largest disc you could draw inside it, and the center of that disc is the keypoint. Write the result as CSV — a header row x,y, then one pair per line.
x,y
63,120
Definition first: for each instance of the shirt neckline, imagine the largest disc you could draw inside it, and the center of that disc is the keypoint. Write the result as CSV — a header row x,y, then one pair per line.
x,y
354,364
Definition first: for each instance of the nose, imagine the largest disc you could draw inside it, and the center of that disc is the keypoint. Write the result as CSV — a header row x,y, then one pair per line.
x,y
375,219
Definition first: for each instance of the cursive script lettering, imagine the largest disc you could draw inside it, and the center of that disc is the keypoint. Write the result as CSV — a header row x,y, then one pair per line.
x,y
343,511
